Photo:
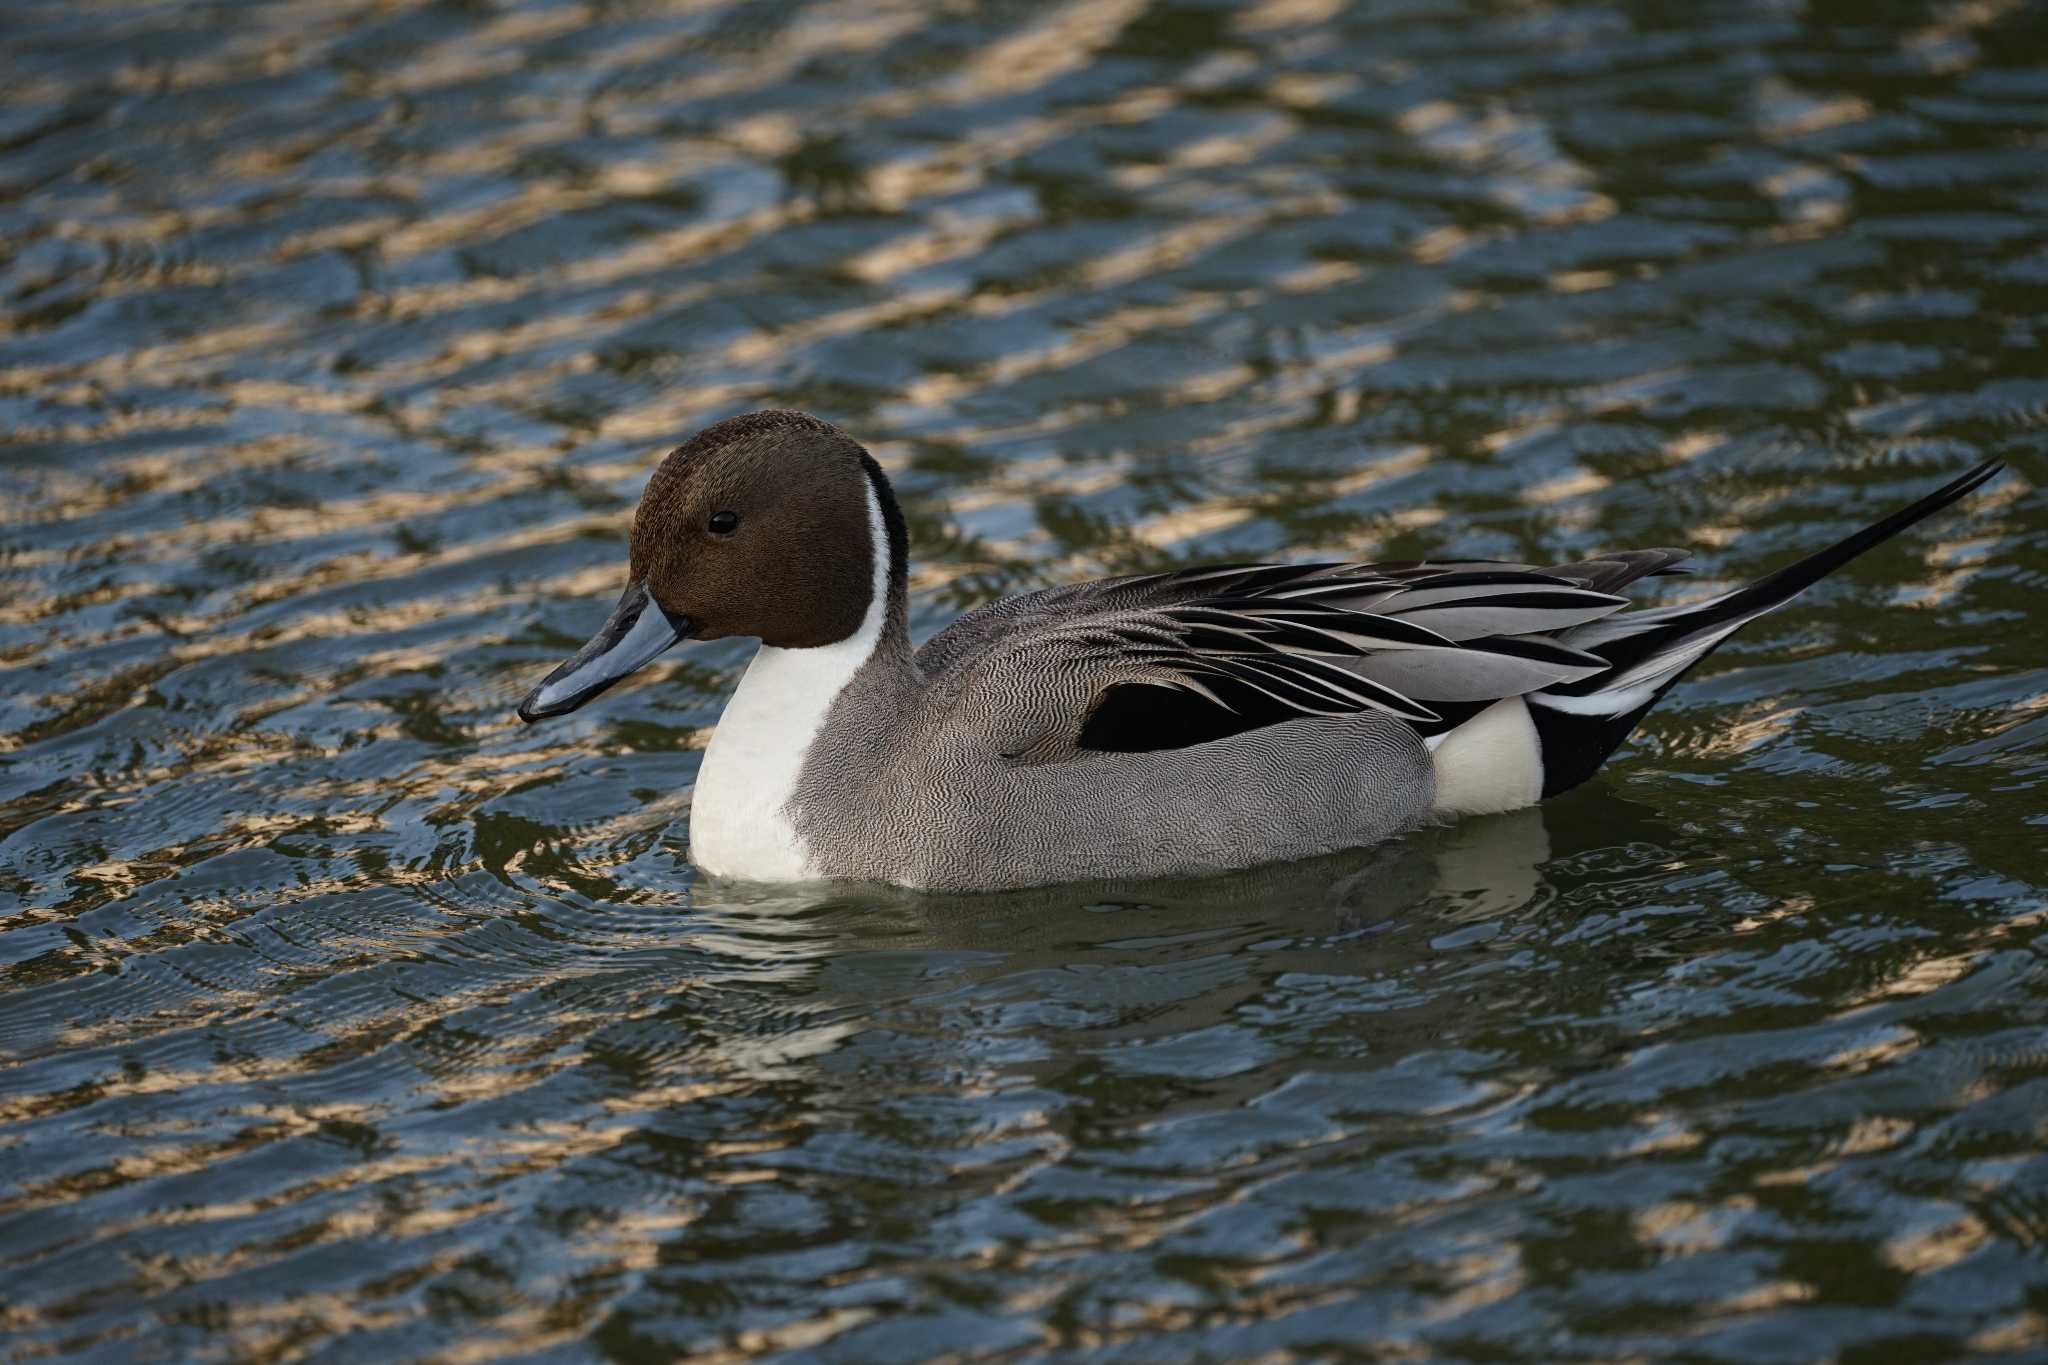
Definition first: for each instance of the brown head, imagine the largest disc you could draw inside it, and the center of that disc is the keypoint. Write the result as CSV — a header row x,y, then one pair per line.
x,y
758,525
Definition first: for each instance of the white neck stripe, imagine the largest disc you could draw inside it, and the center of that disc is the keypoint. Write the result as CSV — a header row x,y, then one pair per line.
x,y
739,816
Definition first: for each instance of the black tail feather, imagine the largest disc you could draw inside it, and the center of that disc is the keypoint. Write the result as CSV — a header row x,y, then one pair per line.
x,y
1579,724
1775,589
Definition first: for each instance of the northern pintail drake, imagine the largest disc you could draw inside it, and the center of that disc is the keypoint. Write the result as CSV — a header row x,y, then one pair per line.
x,y
1165,724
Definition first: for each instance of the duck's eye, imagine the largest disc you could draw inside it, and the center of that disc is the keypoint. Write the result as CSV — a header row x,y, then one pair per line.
x,y
725,522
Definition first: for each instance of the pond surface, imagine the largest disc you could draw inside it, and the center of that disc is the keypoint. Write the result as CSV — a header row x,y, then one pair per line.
x,y
343,1017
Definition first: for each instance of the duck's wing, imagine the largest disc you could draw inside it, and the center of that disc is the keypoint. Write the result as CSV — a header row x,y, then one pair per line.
x,y
1161,661
974,632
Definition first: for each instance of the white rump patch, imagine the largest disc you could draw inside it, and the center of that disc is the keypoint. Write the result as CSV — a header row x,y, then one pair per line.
x,y
739,816
1493,762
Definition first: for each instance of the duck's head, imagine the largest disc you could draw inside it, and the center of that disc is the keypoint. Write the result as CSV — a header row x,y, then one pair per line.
x,y
772,524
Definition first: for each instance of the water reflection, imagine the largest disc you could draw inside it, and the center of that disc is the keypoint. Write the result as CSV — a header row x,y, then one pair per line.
x,y
340,1012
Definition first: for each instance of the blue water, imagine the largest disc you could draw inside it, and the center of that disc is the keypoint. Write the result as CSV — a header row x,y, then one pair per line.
x,y
342,1017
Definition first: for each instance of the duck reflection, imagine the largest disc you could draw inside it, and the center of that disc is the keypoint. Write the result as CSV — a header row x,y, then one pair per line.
x,y
1084,967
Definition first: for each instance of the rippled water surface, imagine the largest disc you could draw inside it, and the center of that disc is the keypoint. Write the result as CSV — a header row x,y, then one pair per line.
x,y
344,1017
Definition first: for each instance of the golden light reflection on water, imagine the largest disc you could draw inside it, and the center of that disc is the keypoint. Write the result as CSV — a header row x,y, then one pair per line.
x,y
340,1006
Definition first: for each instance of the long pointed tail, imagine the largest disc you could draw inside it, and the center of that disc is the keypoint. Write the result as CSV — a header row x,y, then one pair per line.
x,y
1579,724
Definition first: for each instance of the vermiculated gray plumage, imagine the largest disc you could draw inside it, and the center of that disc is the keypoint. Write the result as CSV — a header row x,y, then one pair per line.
x,y
941,770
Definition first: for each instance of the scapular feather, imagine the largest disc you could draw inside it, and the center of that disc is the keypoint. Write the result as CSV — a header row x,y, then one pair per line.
x,y
1195,655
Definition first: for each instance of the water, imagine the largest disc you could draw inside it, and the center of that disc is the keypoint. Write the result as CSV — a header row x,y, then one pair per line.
x,y
345,1018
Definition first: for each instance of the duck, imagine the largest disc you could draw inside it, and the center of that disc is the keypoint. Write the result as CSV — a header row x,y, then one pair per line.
x,y
1171,724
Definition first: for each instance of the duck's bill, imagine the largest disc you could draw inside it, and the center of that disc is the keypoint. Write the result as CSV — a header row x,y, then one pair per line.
x,y
637,632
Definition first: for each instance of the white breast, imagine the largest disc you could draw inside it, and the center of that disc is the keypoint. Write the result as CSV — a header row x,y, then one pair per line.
x,y
739,816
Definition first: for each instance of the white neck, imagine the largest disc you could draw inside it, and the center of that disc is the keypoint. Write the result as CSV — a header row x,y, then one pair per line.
x,y
739,817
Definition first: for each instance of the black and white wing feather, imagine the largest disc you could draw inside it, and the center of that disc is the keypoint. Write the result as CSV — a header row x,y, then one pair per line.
x,y
1168,660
